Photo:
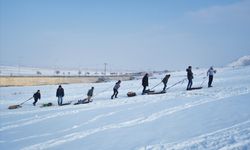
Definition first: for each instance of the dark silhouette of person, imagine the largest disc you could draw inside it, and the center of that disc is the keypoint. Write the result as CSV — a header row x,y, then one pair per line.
x,y
144,83
210,74
60,95
165,81
189,77
115,89
36,96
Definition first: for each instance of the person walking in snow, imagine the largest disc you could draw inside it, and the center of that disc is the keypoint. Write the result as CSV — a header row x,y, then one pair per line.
x,y
144,83
210,74
189,77
165,81
60,95
36,96
115,89
90,94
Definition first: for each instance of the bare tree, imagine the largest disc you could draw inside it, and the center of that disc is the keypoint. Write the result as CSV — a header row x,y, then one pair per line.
x,y
38,73
79,72
57,72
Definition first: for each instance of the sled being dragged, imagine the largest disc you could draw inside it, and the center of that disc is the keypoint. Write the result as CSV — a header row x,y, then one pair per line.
x,y
68,103
160,92
19,105
131,94
147,91
46,104
194,88
14,106
84,101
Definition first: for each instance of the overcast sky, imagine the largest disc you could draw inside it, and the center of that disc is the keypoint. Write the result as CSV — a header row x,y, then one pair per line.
x,y
126,34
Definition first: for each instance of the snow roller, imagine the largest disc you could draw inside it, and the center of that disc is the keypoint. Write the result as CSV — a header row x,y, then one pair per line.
x,y
14,106
131,94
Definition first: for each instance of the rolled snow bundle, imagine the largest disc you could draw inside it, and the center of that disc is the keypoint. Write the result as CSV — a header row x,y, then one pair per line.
x,y
47,104
131,94
14,106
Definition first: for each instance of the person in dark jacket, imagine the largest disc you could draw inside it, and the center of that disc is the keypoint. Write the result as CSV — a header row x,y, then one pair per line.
x,y
36,96
165,81
115,89
144,83
90,94
189,77
210,74
60,95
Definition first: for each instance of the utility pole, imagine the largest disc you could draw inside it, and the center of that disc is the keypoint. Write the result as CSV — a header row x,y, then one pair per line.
x,y
105,68
19,62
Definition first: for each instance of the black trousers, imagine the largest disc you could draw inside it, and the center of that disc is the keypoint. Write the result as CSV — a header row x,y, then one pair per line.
x,y
210,80
190,83
144,89
165,85
115,93
35,101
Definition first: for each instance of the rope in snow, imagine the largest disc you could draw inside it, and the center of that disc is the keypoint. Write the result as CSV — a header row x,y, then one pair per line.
x,y
181,81
204,79
156,85
138,87
26,100
201,74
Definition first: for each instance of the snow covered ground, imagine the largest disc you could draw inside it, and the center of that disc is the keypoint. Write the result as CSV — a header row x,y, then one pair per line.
x,y
210,118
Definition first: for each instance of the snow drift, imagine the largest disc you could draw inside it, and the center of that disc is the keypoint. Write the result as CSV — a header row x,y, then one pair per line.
x,y
243,61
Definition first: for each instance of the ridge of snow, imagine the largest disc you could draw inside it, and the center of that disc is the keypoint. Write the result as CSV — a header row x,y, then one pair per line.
x,y
243,61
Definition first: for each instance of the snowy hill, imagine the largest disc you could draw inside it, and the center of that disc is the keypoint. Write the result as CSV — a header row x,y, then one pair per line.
x,y
243,61
209,119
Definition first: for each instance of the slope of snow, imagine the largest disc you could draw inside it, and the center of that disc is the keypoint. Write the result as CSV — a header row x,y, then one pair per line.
x,y
210,118
243,61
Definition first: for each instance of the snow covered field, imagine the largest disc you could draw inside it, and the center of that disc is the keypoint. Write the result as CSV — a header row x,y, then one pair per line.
x,y
210,118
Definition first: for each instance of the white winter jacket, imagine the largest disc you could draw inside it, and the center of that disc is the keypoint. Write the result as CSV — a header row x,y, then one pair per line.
x,y
211,72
